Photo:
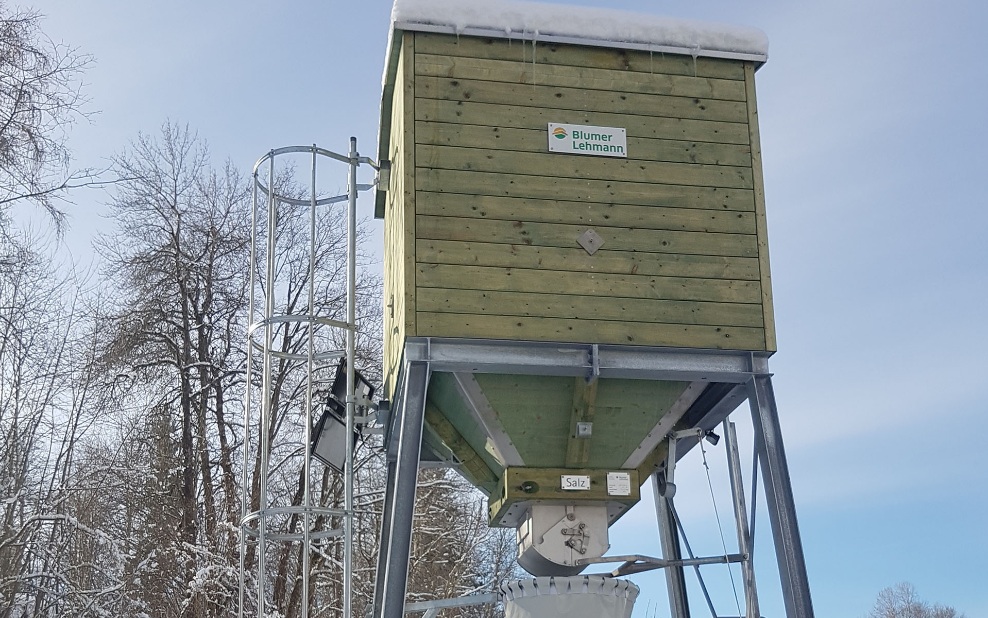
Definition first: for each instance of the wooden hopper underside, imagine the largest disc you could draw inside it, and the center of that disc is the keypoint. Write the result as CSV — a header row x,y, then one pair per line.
x,y
493,407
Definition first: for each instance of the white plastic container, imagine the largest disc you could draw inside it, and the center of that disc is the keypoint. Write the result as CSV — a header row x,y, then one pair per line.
x,y
581,596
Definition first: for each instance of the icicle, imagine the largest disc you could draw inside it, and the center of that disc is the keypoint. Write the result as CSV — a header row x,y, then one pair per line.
x,y
507,31
650,53
695,52
535,39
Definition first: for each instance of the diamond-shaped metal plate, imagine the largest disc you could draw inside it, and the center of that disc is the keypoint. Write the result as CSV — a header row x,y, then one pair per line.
x,y
591,241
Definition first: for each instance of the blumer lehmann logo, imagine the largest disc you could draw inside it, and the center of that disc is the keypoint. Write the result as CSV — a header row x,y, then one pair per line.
x,y
587,140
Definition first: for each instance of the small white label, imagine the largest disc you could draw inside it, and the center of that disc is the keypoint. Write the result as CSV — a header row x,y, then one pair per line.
x,y
618,484
586,140
575,482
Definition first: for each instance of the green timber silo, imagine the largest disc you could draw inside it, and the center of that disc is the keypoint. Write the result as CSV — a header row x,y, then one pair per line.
x,y
576,258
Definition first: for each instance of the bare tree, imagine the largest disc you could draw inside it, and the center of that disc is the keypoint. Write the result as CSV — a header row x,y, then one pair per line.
x,y
177,259
53,559
122,418
902,601
40,98
179,262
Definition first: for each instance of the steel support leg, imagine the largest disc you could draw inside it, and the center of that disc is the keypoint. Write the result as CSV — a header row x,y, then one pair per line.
x,y
778,493
396,532
386,519
741,520
669,538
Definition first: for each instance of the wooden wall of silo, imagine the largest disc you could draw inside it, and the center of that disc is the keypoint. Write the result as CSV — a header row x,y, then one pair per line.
x,y
482,221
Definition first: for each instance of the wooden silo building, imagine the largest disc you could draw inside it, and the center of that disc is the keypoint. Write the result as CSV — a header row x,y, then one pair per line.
x,y
576,260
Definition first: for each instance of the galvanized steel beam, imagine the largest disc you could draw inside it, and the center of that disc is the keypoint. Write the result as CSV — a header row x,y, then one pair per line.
x,y
393,558
574,359
779,498
679,606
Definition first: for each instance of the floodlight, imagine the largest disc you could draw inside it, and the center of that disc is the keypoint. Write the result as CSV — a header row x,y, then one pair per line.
x,y
329,435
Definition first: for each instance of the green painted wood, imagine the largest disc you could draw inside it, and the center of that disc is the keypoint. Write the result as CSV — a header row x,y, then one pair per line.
x,y
585,213
521,232
578,189
399,257
576,259
495,218
445,396
451,277
654,461
631,103
527,117
582,411
589,78
760,218
572,306
586,167
534,411
537,413
472,466
578,55
525,485
626,411
520,485
589,331
534,140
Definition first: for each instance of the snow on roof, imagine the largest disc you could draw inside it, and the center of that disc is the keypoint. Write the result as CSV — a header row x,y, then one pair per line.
x,y
561,23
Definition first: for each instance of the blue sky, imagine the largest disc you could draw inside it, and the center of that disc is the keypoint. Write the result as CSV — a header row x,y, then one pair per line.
x,y
873,136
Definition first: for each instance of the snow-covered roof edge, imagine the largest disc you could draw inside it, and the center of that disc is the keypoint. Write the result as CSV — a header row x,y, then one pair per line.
x,y
577,24
557,23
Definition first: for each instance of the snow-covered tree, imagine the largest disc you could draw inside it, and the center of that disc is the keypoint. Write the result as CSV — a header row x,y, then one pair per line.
x,y
54,559
454,552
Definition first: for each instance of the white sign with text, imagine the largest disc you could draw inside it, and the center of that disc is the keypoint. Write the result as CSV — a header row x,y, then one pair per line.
x,y
586,140
575,482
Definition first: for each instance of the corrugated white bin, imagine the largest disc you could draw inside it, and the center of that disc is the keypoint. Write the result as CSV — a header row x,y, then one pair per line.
x,y
579,596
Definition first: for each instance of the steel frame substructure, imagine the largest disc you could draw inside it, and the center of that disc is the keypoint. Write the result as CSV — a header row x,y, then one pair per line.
x,y
737,375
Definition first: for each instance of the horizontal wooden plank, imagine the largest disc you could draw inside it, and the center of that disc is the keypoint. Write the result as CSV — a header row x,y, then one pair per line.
x,y
629,103
585,167
527,117
577,55
535,140
577,189
588,307
544,481
589,78
589,331
587,284
576,259
585,213
567,235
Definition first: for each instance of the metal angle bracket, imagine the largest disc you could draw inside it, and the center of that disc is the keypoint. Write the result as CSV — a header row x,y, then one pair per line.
x,y
594,372
639,564
668,490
